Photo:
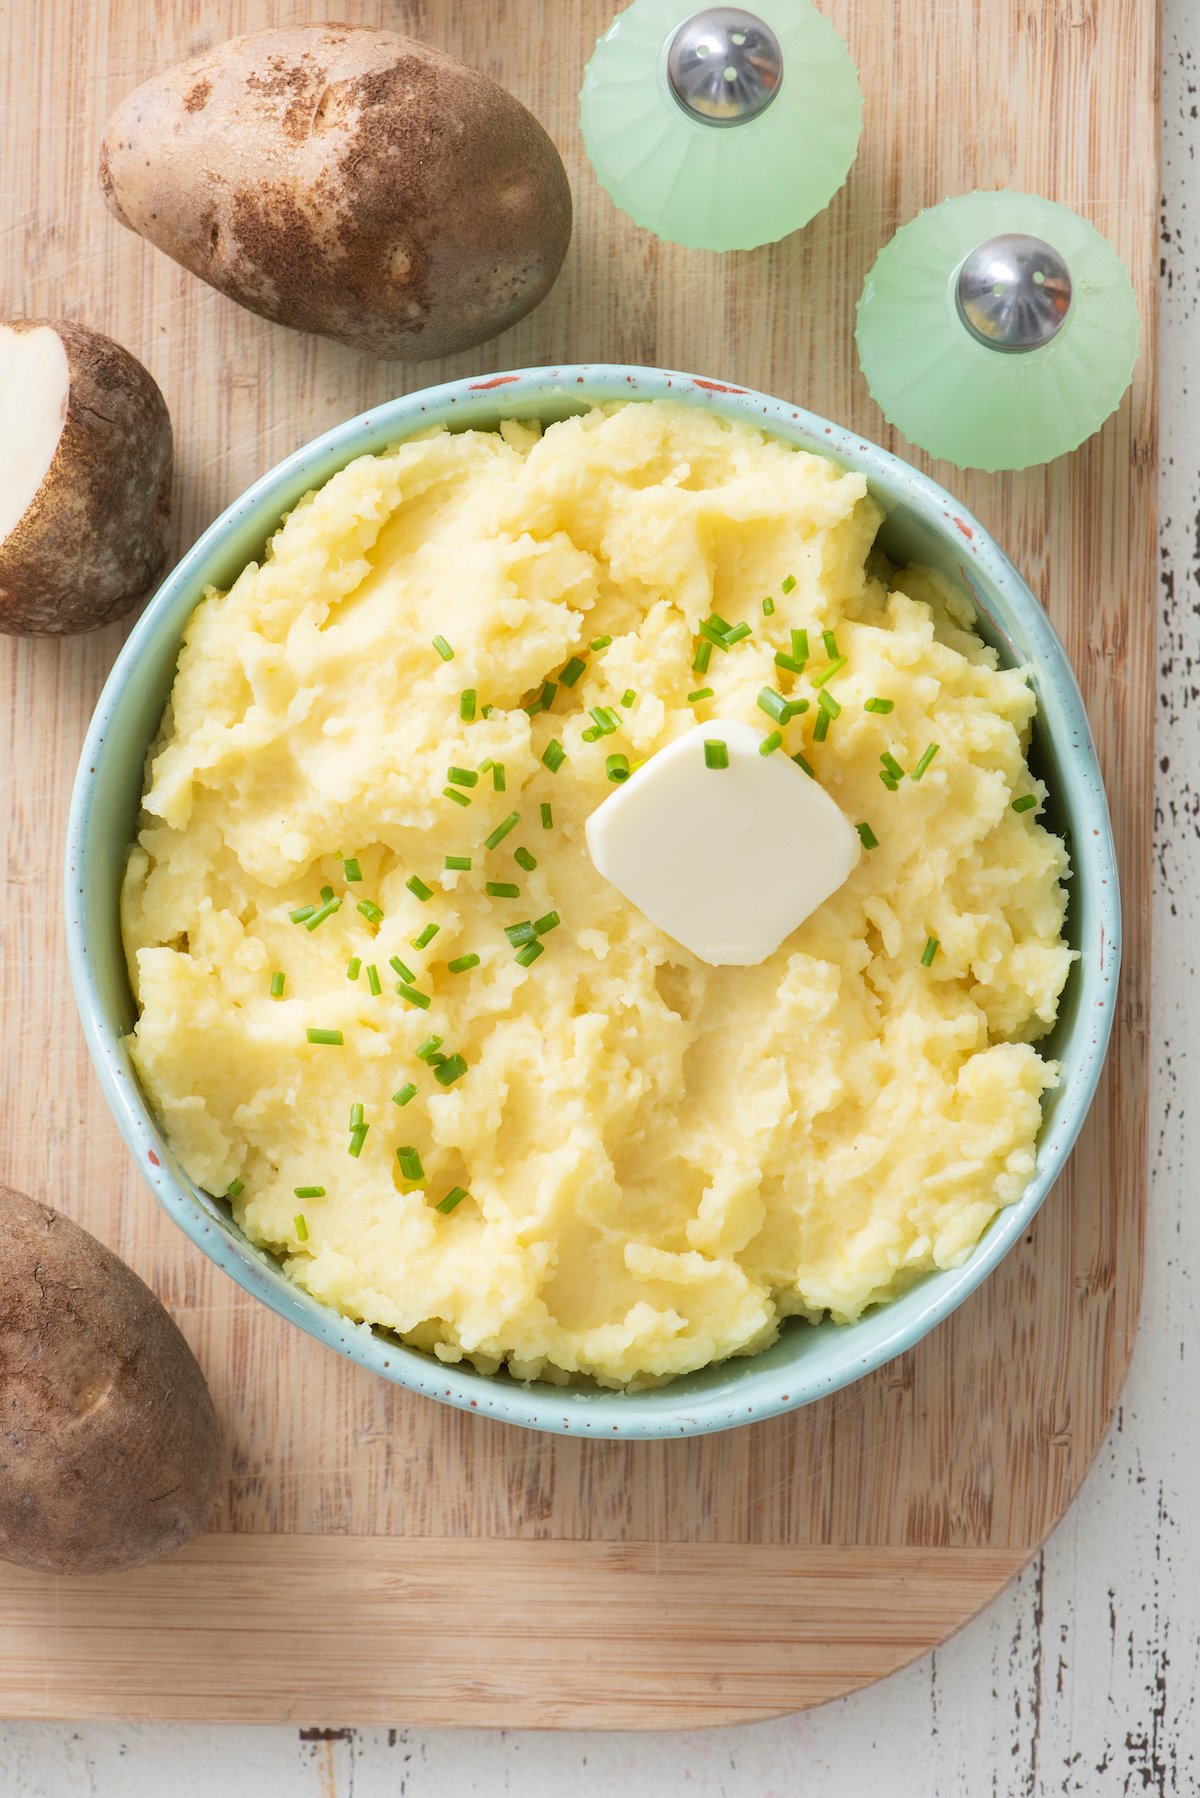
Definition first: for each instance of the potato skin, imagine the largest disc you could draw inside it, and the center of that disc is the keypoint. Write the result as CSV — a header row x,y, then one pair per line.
x,y
346,181
92,541
108,1441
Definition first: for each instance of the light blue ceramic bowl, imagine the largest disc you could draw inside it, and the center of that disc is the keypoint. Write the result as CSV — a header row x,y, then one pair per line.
x,y
924,524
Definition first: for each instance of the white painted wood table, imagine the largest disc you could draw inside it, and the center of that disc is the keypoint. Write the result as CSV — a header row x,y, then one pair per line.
x,y
1083,1677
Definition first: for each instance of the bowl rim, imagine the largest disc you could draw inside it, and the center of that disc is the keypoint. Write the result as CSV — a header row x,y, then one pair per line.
x,y
755,1391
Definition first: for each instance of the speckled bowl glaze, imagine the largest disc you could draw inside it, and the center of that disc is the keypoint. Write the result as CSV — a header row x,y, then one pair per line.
x,y
924,524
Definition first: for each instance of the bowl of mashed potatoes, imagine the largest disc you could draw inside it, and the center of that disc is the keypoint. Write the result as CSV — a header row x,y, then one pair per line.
x,y
402,1060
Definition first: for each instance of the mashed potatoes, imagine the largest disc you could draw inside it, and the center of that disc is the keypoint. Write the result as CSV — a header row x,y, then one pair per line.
x,y
661,1159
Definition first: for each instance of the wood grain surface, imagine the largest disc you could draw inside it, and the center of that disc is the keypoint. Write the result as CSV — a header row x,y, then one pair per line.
x,y
708,1580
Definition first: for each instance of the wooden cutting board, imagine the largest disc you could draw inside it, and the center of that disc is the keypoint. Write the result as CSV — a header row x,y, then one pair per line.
x,y
377,1558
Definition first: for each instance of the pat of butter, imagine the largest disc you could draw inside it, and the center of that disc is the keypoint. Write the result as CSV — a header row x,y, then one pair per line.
x,y
727,861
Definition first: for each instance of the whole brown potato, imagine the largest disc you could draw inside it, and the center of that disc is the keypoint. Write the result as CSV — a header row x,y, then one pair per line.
x,y
85,478
345,181
108,1440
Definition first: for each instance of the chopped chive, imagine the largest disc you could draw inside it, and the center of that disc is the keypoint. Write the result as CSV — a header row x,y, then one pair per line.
x,y
1025,803
789,582
357,1114
501,889
549,921
373,979
716,753
410,1163
309,1192
333,1038
486,764
543,700
519,934
358,1137
524,860
326,895
600,642
889,781
800,645
428,1047
412,995
807,766
501,831
529,953
404,971
869,839
302,915
426,936
407,1091
702,658
466,705
606,719
771,743
458,864
699,694
418,889
547,815
462,777
821,726
768,606
452,1069
828,704
370,911
879,705
353,968
628,697
891,765
453,793
791,663
351,868
774,705
454,1197
498,780
277,984
925,761
831,668
736,634
443,649
461,963
718,623
235,1189
617,767
486,711
830,642
299,1225
592,733
571,673
930,950
326,911
712,635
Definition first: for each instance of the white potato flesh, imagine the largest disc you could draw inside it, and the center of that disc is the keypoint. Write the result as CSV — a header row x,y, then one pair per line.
x,y
35,385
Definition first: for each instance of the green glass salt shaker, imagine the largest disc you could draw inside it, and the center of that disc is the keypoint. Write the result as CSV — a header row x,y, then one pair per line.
x,y
997,330
724,128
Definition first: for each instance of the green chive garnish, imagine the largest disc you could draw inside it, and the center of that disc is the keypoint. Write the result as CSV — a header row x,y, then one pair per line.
x,y
428,1047
789,582
326,895
891,765
699,694
357,1114
412,995
501,889
298,1223
800,645
373,979
461,963
462,777
277,981
443,649
302,915
333,1038
550,921
426,936
771,743
807,766
410,1163
889,781
454,1197
869,839
592,733
309,1192
407,1091
930,950
702,658
828,704
628,697
1026,802
736,634
524,860
778,708
617,767
235,1189
821,726
879,705
326,911
831,668
453,793
466,705
452,1069
768,606
600,642
353,967
830,642
925,761
418,889
357,1138
370,911
572,671
502,830
518,934
351,868
716,753
791,663
543,700
529,953
498,780
606,719
485,711
401,968
458,863
547,815
712,635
